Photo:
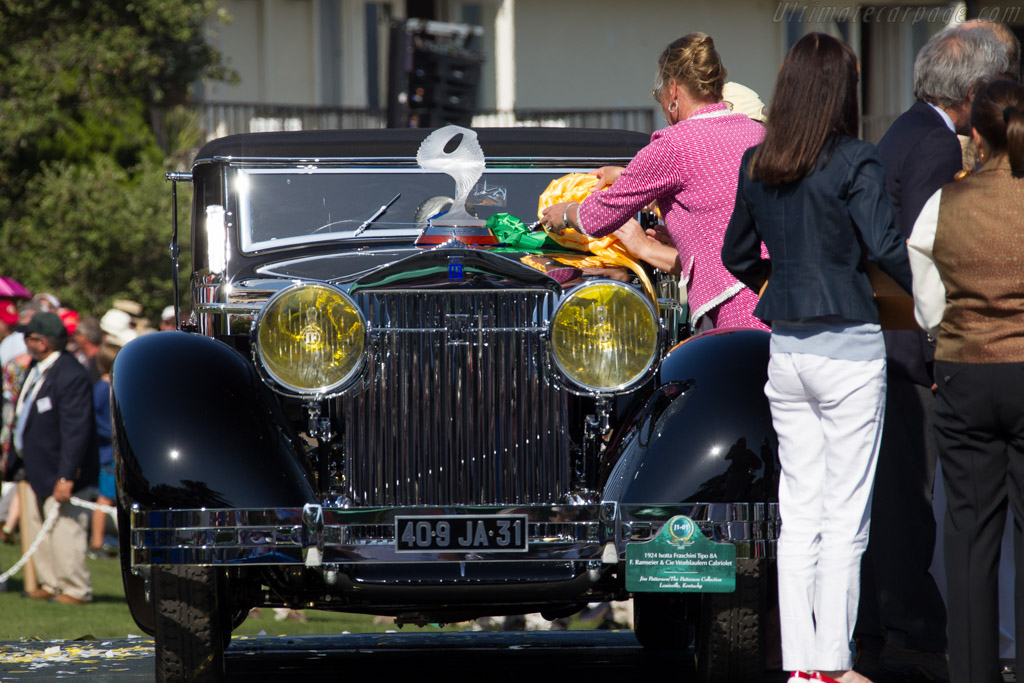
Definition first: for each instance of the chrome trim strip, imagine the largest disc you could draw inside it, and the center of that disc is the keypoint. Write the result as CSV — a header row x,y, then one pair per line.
x,y
752,527
229,309
283,536
271,269
516,162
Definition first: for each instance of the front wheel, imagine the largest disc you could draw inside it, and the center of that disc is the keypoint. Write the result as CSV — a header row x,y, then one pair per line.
x,y
189,633
731,628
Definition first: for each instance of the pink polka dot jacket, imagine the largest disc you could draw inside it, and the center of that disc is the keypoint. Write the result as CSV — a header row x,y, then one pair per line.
x,y
691,169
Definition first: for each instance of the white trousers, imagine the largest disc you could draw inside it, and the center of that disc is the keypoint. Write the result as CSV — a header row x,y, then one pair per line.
x,y
828,416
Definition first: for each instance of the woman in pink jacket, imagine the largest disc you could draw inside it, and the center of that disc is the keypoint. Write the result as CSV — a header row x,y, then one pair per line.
x,y
690,168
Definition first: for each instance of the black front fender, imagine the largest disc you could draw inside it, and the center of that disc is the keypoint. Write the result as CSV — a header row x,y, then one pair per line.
x,y
705,434
195,427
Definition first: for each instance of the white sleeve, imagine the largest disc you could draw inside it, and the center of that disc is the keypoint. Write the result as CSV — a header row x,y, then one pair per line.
x,y
929,292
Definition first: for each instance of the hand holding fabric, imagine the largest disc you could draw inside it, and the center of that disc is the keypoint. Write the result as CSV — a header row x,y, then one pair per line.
x,y
606,175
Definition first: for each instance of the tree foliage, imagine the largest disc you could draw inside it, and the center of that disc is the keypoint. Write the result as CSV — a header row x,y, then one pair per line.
x,y
97,231
84,210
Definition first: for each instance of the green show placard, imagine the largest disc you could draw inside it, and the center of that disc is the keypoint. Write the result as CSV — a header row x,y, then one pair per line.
x,y
680,559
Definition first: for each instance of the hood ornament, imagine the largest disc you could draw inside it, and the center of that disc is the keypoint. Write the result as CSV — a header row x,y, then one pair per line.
x,y
465,164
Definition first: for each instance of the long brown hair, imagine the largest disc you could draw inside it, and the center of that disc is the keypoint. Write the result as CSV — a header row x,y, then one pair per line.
x,y
815,100
998,116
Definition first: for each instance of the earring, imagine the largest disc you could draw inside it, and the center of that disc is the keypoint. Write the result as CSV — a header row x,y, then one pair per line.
x,y
672,108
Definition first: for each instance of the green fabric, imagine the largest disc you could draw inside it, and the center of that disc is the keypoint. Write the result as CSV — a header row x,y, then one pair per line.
x,y
514,233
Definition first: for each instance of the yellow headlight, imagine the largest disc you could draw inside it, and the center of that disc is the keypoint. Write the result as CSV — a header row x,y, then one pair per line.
x,y
605,336
311,338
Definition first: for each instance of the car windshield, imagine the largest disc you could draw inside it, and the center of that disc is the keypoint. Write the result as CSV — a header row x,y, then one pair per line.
x,y
282,207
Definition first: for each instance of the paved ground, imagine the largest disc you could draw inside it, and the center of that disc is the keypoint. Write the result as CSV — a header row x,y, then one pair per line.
x,y
500,657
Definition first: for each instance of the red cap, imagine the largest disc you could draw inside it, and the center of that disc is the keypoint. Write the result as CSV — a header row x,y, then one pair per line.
x,y
69,318
8,312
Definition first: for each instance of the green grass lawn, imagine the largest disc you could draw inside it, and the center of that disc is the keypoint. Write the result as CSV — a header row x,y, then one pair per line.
x,y
108,616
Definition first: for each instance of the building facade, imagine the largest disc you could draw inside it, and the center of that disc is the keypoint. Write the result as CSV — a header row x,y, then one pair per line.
x,y
324,63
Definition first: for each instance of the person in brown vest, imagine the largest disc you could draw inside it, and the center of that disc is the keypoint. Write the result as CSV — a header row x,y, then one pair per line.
x,y
967,255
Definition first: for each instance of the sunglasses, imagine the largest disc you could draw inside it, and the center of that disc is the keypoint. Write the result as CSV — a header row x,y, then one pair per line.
x,y
656,92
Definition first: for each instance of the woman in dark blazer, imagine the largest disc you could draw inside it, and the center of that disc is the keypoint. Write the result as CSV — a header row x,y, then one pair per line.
x,y
815,195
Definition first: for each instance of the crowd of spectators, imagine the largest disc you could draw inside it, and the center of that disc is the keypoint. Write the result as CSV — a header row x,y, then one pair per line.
x,y
56,431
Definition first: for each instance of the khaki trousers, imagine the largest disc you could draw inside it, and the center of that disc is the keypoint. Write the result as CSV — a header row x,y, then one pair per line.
x,y
60,559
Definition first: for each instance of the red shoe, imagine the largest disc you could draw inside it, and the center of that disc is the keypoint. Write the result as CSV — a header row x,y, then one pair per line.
x,y
812,676
818,676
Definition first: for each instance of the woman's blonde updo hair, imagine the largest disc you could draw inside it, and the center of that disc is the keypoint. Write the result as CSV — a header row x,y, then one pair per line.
x,y
693,63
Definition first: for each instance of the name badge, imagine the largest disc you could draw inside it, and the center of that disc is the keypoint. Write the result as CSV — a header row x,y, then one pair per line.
x,y
44,404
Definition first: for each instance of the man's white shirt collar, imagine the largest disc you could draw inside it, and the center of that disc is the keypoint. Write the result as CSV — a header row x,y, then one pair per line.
x,y
44,364
944,115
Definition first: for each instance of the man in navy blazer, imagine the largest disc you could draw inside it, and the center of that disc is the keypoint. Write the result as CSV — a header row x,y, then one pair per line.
x,y
900,602
55,433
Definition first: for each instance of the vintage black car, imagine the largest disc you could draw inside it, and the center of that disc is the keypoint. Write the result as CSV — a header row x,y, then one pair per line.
x,y
379,406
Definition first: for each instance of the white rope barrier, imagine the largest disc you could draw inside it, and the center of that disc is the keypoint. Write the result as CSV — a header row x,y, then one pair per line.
x,y
88,505
51,519
48,524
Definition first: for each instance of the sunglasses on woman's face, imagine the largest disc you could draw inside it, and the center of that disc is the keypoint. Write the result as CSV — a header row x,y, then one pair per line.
x,y
659,88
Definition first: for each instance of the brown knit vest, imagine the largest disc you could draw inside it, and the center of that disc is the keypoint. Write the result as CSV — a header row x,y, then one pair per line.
x,y
979,250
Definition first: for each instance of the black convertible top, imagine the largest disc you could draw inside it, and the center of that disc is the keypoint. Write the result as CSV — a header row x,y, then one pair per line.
x,y
403,142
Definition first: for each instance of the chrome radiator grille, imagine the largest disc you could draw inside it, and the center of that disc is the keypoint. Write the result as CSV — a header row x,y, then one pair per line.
x,y
455,407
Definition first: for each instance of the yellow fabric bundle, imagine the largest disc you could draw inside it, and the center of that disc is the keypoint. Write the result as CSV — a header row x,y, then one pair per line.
x,y
575,260
575,187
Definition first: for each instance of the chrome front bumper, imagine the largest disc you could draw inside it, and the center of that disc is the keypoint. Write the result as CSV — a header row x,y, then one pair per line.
x,y
316,535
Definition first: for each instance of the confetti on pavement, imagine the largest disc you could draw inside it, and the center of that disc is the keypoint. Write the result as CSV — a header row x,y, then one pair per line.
x,y
70,658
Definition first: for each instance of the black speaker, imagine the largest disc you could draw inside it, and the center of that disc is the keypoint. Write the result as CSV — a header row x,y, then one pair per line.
x,y
435,78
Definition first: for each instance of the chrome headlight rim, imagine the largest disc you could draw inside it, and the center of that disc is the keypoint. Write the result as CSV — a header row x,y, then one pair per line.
x,y
582,388
287,388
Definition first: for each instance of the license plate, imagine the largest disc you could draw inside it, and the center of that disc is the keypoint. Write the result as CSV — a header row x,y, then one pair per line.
x,y
461,534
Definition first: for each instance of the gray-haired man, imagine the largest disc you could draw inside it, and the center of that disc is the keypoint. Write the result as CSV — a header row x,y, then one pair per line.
x,y
900,603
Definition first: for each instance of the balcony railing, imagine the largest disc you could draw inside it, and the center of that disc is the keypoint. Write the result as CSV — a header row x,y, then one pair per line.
x,y
638,118
227,118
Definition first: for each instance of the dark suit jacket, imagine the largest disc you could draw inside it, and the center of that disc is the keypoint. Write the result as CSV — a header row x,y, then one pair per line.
x,y
60,440
920,155
818,231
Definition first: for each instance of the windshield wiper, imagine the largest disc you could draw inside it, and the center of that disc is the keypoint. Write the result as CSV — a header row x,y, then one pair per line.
x,y
380,212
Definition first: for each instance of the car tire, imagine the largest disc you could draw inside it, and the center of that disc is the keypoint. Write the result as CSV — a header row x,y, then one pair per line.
x,y
189,636
659,622
730,642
